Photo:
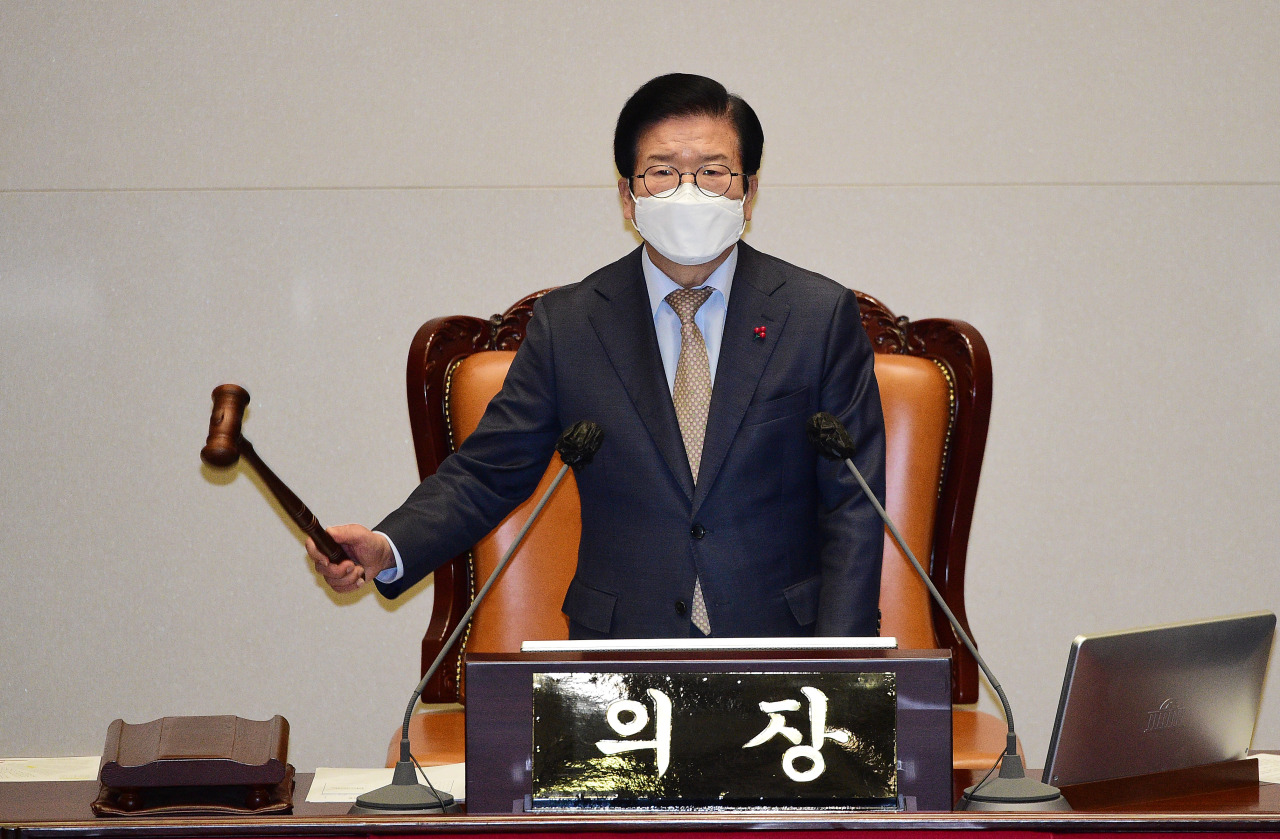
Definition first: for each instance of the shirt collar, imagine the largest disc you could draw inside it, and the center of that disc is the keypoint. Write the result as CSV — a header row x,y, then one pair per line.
x,y
659,285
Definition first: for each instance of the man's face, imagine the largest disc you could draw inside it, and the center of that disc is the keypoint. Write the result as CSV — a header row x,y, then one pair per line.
x,y
687,143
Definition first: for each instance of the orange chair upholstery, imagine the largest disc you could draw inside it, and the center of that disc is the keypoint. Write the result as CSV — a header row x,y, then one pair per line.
x,y
935,388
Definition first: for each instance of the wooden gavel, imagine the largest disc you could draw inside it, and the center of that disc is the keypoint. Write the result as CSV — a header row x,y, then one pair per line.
x,y
226,445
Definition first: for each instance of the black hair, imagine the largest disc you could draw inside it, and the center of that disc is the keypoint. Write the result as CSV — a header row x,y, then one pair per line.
x,y
684,95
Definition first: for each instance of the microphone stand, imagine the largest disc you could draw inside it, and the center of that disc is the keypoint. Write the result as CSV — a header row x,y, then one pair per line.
x,y
1012,789
577,445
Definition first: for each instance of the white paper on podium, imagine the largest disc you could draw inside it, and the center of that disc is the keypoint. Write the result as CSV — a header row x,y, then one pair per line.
x,y
49,768
684,644
343,786
1268,769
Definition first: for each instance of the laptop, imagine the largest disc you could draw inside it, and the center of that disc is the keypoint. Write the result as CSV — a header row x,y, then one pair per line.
x,y
1159,698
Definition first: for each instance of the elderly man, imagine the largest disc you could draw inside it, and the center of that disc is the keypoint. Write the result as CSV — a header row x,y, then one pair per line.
x,y
706,511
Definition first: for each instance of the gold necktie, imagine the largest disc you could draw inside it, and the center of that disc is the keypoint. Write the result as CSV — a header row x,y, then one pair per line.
x,y
692,398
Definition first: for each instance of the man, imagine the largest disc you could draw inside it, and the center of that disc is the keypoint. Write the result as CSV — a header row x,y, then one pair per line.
x,y
706,510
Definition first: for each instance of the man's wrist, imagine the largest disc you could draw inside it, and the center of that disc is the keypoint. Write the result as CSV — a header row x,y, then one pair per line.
x,y
395,569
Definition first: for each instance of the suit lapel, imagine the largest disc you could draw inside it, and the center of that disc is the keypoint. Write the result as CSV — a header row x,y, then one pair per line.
x,y
623,321
743,357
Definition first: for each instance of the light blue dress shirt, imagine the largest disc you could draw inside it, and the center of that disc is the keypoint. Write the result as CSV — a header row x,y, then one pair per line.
x,y
710,320
710,316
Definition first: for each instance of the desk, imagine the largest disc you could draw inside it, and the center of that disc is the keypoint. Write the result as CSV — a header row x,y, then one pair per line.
x,y
61,811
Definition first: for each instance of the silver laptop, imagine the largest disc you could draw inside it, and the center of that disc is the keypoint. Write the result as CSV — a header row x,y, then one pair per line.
x,y
1159,698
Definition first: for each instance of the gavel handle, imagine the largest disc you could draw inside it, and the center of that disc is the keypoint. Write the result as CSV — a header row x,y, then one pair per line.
x,y
299,512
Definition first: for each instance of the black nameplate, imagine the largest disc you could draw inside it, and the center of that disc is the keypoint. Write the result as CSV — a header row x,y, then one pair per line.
x,y
736,740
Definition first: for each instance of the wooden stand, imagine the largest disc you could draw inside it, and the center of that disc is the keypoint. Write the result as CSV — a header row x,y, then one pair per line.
x,y
195,765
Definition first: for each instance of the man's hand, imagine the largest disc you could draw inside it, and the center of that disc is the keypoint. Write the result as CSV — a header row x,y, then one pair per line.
x,y
371,554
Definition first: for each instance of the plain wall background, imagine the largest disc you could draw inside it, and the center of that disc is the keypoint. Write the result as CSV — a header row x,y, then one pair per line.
x,y
279,193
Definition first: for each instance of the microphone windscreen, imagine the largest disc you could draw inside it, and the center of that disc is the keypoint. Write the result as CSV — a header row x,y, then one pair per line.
x,y
829,436
579,443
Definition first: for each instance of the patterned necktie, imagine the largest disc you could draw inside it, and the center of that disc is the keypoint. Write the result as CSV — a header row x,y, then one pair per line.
x,y
692,398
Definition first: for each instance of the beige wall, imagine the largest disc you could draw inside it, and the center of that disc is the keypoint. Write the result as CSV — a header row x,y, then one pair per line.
x,y
279,193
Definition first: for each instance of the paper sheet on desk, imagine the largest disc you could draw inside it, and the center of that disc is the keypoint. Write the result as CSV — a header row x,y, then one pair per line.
x,y
337,786
1268,769
49,768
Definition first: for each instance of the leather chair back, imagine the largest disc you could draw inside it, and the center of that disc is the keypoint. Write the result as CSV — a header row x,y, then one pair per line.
x,y
916,399
525,602
921,400
935,383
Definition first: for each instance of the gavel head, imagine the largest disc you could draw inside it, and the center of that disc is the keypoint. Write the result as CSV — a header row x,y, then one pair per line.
x,y
222,446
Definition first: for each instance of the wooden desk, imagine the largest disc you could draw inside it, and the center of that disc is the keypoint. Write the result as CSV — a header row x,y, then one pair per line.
x,y
61,811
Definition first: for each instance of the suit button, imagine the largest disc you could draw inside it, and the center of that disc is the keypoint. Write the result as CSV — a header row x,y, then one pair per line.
x,y
680,607
698,531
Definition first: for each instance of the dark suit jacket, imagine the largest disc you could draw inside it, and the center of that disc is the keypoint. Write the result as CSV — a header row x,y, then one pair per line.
x,y
783,540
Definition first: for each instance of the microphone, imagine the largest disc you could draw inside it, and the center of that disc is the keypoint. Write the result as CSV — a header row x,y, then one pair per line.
x,y
576,445
1012,789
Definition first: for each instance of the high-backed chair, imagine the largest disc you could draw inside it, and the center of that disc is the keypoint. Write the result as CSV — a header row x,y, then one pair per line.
x,y
935,388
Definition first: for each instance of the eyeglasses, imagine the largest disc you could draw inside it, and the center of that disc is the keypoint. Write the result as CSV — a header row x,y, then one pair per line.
x,y
713,179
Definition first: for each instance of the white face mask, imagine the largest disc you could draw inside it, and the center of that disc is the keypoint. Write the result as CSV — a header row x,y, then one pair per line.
x,y
689,227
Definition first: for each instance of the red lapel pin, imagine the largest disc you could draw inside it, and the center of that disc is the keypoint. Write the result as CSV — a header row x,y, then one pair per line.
x,y
760,333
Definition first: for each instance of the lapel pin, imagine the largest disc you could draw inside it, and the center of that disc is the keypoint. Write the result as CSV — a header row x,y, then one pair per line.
x,y
760,333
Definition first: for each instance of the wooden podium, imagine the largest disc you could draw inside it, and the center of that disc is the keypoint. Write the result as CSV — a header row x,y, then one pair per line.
x,y
504,689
